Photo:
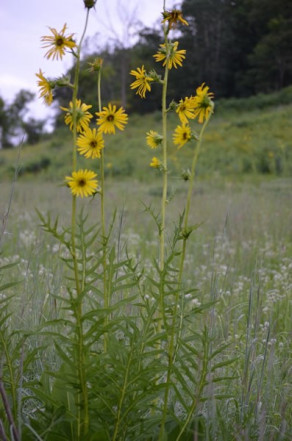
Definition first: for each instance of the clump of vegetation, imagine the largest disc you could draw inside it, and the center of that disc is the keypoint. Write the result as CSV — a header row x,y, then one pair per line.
x,y
134,339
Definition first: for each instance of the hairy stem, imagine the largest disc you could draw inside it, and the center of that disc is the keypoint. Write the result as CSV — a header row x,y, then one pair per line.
x,y
164,184
82,399
173,346
164,163
75,91
186,226
106,299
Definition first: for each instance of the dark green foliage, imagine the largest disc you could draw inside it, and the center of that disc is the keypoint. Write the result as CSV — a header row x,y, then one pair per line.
x,y
238,47
35,166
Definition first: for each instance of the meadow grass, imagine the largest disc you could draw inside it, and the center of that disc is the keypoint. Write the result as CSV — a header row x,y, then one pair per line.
x,y
247,141
239,258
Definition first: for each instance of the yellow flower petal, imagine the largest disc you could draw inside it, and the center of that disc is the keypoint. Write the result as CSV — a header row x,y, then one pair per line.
x,y
82,183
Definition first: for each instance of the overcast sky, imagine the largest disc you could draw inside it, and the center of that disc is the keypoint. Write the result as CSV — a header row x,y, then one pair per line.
x,y
24,22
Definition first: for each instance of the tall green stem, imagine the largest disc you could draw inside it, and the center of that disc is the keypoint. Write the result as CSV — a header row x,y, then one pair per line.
x,y
164,164
164,183
172,347
163,215
74,155
186,234
189,196
82,398
102,212
101,164
75,91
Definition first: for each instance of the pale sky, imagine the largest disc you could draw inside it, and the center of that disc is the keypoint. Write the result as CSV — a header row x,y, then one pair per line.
x,y
24,22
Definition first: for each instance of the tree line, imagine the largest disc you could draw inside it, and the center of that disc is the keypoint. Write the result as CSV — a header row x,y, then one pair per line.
x,y
238,47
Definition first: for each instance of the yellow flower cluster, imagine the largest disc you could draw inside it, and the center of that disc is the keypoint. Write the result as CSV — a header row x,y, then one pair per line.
x,y
200,106
90,142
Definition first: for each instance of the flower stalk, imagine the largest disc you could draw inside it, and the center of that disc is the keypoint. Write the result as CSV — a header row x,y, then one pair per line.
x,y
164,170
176,333
106,300
185,235
186,232
83,406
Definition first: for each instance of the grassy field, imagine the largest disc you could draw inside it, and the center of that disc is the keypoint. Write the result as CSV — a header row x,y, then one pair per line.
x,y
248,136
240,257
230,378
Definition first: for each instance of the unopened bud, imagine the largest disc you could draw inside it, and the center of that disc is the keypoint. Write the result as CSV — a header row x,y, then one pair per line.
x,y
63,82
89,3
96,65
154,76
172,106
186,174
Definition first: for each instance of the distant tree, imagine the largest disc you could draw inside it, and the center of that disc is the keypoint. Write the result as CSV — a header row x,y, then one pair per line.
x,y
238,46
33,129
13,122
271,57
4,125
209,43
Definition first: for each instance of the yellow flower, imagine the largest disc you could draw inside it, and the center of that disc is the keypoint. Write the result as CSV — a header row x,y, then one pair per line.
x,y
173,17
182,135
46,88
155,163
202,103
110,118
58,43
82,183
170,55
90,143
185,110
142,81
153,139
82,116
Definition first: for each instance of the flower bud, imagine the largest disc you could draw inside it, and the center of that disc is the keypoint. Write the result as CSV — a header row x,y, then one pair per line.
x,y
96,65
186,175
63,81
154,76
89,3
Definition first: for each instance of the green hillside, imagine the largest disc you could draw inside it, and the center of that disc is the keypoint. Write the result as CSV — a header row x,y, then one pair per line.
x,y
245,136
